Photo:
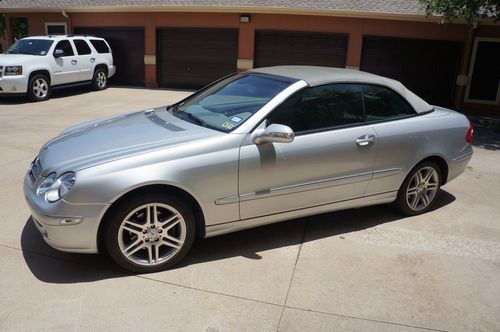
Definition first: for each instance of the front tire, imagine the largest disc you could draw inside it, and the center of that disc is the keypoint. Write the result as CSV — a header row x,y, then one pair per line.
x,y
39,88
150,233
100,79
420,189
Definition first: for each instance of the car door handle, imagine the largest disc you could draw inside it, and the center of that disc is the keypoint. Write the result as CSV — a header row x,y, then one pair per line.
x,y
365,140
73,62
92,59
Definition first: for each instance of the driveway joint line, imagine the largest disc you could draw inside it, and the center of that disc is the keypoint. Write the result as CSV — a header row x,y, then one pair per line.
x,y
293,272
224,294
367,319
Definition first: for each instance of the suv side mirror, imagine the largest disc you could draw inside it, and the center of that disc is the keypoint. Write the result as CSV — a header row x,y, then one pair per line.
x,y
274,133
58,53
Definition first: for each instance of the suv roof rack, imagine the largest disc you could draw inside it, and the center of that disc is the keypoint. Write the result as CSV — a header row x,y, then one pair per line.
x,y
76,35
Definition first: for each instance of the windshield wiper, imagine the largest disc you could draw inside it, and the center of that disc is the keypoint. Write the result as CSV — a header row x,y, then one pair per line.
x,y
194,118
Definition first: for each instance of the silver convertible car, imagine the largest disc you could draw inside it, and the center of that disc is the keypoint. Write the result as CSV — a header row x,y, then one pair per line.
x,y
253,148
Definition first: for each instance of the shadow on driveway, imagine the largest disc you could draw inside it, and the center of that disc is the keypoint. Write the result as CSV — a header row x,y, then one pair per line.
x,y
15,99
51,266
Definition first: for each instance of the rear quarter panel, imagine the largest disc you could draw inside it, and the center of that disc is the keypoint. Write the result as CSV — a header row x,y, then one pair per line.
x,y
402,144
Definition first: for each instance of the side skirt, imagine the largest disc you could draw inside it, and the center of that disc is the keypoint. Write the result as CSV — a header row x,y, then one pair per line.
x,y
219,229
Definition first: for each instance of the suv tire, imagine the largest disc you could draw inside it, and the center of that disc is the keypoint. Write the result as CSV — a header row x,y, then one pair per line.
x,y
100,79
39,87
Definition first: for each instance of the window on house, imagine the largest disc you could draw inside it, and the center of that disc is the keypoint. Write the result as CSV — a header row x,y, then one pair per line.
x,y
55,28
19,27
484,75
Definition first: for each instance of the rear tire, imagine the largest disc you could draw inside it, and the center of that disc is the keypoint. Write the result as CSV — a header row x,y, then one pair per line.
x,y
100,79
150,233
419,190
39,88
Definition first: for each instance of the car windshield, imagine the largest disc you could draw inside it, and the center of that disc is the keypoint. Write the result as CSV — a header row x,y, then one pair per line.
x,y
227,104
30,47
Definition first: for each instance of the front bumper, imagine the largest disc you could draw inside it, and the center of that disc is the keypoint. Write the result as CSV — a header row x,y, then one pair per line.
x,y
13,84
64,226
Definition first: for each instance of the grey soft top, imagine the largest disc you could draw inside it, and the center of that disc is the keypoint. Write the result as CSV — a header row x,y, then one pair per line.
x,y
315,76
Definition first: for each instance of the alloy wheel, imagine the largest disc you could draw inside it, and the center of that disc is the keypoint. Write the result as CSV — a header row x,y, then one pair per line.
x,y
152,234
40,88
422,188
101,79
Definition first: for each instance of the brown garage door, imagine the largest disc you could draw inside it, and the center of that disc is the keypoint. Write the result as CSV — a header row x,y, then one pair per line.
x,y
192,58
274,48
427,67
128,52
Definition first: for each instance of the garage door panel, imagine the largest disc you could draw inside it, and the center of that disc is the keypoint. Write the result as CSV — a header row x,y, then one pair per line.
x,y
127,45
427,67
300,48
192,58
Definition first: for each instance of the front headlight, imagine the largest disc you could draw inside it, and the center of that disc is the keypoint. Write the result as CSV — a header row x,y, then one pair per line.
x,y
55,189
13,70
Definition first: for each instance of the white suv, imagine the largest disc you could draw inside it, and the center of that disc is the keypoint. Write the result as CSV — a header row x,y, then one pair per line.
x,y
35,65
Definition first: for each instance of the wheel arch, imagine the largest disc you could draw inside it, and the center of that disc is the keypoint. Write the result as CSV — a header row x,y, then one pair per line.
x,y
440,161
44,72
161,188
103,66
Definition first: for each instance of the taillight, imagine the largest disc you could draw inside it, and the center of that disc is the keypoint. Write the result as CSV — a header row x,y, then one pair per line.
x,y
470,133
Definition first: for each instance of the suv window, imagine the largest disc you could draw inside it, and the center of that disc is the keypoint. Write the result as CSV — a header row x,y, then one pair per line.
x,y
321,107
65,46
82,47
382,103
99,45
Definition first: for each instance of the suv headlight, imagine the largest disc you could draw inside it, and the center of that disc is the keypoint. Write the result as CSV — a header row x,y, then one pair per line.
x,y
56,188
13,70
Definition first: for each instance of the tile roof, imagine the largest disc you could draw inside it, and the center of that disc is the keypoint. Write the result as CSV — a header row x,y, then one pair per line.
x,y
398,7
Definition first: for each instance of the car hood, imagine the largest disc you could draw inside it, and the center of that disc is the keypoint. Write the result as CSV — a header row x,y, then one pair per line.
x,y
118,137
17,59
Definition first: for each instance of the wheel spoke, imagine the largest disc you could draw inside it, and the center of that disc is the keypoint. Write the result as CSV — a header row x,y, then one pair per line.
x,y
134,247
155,215
428,176
414,202
150,254
170,222
171,242
425,199
412,191
132,228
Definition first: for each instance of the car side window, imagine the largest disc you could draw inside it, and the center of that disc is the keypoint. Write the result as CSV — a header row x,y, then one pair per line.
x,y
321,107
382,103
65,46
82,47
100,46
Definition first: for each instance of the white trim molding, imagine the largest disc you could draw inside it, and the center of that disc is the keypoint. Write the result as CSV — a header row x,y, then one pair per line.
x,y
467,99
64,24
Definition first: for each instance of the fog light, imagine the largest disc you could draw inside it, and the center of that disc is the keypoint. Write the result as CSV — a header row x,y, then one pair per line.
x,y
71,221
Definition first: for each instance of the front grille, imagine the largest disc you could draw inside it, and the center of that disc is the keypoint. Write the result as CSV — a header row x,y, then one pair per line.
x,y
35,170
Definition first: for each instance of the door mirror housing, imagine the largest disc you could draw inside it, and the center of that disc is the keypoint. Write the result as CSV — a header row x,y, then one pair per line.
x,y
58,53
275,133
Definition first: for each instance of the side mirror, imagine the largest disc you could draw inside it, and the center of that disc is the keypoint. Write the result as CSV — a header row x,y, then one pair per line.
x,y
58,53
274,133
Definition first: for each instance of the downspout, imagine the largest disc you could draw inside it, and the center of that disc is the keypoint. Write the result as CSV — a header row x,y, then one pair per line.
x,y
68,19
463,79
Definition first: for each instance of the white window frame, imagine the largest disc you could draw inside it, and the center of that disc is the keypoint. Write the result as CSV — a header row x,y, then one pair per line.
x,y
64,24
471,71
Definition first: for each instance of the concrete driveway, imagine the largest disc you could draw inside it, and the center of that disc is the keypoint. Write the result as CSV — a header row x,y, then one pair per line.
x,y
360,269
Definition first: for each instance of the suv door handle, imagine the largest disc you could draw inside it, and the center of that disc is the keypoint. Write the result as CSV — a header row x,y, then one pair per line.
x,y
365,140
73,62
92,59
